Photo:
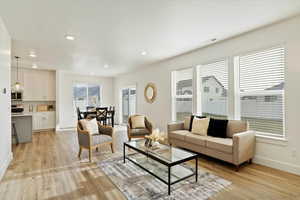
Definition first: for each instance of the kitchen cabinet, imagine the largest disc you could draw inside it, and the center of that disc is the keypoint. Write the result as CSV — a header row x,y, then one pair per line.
x,y
44,120
38,85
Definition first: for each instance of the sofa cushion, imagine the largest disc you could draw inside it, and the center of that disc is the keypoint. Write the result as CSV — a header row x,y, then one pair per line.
x,y
179,134
138,121
139,131
217,128
195,139
200,126
187,121
236,126
220,144
191,121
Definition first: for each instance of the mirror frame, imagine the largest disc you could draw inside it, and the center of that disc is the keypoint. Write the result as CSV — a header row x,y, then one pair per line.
x,y
150,85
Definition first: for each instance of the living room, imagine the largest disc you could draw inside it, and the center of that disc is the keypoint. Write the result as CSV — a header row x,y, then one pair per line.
x,y
163,72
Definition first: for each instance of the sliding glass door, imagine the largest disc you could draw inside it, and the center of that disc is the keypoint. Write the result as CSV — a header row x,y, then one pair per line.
x,y
128,103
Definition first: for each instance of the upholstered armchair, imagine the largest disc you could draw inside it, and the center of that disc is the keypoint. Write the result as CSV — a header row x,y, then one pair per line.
x,y
138,131
93,140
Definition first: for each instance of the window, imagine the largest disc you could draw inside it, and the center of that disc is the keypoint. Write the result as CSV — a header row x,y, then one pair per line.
x,y
262,90
217,90
215,76
206,89
182,94
86,95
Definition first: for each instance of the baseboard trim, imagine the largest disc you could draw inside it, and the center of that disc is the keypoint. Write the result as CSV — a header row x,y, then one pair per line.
x,y
5,165
284,166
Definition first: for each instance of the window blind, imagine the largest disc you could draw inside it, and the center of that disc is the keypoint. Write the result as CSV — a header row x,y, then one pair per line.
x,y
214,89
182,94
262,90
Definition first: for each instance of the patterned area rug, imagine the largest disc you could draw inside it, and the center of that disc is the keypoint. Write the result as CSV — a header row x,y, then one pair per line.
x,y
137,184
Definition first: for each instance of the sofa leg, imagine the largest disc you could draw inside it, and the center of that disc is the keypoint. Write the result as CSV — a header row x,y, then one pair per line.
x,y
237,168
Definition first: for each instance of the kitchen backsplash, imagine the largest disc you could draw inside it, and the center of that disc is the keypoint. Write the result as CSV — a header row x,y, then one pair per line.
x,y
31,106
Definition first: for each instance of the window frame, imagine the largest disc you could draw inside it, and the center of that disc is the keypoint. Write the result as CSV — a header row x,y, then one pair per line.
x,y
199,83
239,94
86,85
174,95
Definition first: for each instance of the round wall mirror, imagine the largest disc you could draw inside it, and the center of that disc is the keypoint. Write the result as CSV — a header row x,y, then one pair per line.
x,y
150,92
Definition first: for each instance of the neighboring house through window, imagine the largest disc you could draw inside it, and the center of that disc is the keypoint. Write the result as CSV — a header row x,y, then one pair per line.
x,y
213,87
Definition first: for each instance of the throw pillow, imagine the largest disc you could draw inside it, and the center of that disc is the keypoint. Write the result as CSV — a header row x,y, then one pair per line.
x,y
217,128
191,121
90,125
138,121
200,126
187,123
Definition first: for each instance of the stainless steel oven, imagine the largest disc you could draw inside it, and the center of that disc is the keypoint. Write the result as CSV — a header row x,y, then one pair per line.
x,y
17,96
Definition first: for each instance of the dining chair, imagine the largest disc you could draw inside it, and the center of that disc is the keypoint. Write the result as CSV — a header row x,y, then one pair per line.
x,y
110,115
101,115
79,114
91,112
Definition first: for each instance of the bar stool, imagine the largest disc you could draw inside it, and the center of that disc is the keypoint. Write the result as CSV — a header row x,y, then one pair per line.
x,y
14,132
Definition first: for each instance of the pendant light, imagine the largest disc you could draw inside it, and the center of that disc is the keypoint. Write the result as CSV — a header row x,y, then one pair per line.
x,y
17,86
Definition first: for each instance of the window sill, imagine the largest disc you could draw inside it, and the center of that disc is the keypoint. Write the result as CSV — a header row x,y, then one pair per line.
x,y
271,140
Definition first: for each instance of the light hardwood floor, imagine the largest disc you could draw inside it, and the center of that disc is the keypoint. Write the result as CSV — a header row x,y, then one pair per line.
x,y
48,168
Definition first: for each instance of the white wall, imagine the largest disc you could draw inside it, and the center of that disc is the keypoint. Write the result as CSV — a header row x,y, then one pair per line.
x,y
277,154
5,116
66,117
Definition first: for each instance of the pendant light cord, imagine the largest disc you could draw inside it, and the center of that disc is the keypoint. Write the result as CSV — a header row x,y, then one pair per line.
x,y
17,58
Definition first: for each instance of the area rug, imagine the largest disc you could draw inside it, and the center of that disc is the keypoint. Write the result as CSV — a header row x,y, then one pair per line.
x,y
137,184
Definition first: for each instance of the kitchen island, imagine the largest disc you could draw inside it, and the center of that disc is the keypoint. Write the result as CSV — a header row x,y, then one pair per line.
x,y
23,125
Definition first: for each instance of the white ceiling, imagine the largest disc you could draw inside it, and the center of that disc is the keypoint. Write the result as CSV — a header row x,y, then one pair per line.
x,y
115,32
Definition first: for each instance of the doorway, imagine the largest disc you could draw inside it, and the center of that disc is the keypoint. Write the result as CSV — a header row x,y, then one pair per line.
x,y
128,98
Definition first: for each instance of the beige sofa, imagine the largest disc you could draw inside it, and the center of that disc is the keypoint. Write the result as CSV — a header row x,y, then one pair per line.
x,y
237,148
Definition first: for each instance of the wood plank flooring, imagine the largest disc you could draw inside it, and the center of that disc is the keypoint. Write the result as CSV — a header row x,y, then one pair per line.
x,y
48,168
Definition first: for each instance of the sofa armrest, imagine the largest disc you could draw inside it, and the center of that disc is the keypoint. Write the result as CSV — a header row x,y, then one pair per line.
x,y
175,126
243,146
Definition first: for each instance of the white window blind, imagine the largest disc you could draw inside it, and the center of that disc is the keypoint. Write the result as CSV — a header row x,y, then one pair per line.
x,y
262,90
182,98
214,89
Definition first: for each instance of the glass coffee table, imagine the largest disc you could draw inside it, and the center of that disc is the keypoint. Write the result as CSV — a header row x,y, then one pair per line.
x,y
162,161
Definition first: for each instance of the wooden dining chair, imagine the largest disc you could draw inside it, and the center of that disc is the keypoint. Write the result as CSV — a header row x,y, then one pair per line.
x,y
91,112
110,115
101,115
79,114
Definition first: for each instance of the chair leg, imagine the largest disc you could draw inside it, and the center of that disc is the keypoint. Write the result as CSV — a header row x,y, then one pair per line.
x,y
112,147
79,153
97,149
90,154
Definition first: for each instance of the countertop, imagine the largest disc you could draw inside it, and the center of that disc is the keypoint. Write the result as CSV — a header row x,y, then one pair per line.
x,y
21,115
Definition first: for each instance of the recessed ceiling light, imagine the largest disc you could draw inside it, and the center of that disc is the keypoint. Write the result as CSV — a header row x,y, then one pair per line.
x,y
106,66
143,53
70,37
34,66
32,54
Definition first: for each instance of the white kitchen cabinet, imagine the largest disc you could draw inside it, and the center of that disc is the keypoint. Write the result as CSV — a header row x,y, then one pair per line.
x,y
43,120
39,85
